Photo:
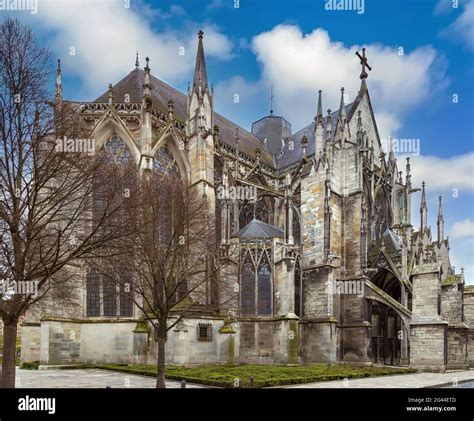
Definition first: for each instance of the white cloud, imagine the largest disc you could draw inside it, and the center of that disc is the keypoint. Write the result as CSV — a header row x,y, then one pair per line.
x,y
463,26
106,35
463,228
298,65
443,174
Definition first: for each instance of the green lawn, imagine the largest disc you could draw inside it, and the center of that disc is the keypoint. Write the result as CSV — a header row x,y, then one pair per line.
x,y
264,375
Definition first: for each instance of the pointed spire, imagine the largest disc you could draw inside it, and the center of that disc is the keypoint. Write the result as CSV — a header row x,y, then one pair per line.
x,y
391,154
111,94
440,221
319,114
329,127
342,118
200,73
59,83
137,63
408,174
423,208
146,83
319,127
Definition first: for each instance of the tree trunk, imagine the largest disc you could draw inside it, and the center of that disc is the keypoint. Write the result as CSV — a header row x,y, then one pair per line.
x,y
160,376
9,352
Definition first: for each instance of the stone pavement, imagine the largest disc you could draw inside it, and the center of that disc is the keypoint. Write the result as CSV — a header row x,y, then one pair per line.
x,y
87,379
416,380
90,378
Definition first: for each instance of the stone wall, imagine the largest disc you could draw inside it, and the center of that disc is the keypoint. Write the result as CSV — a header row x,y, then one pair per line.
x,y
457,348
427,347
256,342
30,342
452,302
318,341
468,305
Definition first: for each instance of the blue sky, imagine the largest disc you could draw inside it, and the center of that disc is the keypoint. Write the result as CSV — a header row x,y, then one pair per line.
x,y
299,47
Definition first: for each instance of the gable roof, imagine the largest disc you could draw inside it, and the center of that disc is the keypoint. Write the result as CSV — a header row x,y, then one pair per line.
x,y
161,93
295,154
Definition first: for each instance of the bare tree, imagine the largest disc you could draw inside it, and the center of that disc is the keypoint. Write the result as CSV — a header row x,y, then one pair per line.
x,y
47,224
171,262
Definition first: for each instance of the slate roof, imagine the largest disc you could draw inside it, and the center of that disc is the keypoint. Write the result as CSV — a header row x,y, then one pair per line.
x,y
132,85
259,229
290,156
392,244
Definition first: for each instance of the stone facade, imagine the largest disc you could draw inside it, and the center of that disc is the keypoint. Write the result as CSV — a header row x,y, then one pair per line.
x,y
323,265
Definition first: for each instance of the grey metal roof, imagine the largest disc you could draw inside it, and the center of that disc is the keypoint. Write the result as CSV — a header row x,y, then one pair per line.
x,y
391,242
132,85
271,129
294,152
259,229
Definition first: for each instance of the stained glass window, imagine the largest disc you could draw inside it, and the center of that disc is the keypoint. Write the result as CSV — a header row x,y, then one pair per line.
x,y
118,150
110,297
264,289
92,295
248,288
298,288
126,298
165,162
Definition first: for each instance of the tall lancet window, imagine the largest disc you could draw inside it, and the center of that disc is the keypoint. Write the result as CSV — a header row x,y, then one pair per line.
x,y
256,296
298,289
247,294
107,296
219,206
253,209
264,289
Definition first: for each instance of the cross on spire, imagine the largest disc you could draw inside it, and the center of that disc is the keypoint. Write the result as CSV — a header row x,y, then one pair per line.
x,y
363,61
271,100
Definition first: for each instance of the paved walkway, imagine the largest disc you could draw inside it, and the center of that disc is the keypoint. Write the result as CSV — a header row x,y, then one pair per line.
x,y
416,380
101,378
87,379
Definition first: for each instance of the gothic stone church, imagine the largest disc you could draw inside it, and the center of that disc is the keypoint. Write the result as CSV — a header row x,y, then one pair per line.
x,y
329,266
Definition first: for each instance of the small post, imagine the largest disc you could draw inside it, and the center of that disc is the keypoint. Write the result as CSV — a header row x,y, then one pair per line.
x,y
251,382
183,384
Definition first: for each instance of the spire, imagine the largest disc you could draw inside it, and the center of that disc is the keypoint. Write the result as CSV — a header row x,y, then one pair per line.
x,y
329,127
146,83
271,100
319,115
408,174
391,155
200,73
137,63
423,208
319,127
342,117
440,222
59,84
111,94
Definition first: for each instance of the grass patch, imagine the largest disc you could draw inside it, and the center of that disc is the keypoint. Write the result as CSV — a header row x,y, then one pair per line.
x,y
33,365
264,375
